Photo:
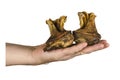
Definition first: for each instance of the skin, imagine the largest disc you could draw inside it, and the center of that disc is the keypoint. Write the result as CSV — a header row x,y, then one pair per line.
x,y
35,55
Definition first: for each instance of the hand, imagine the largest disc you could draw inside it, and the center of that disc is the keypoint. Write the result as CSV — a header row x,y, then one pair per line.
x,y
40,57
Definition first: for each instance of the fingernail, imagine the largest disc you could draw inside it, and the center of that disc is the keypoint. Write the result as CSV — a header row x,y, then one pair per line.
x,y
83,44
107,45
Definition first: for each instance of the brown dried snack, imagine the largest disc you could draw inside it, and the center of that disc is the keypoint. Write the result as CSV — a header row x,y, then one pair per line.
x,y
88,32
60,38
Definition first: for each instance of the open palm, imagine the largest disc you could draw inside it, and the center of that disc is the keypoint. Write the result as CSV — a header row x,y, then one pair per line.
x,y
40,56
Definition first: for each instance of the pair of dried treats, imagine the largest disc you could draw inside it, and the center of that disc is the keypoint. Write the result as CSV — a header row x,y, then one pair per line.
x,y
61,38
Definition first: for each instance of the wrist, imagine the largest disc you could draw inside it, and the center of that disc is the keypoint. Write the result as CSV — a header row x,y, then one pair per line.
x,y
18,54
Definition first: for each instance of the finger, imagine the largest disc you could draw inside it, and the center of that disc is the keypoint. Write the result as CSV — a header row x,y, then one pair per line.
x,y
93,48
106,44
67,52
101,45
67,57
74,49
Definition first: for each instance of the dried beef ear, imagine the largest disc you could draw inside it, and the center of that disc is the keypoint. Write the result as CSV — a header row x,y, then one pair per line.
x,y
87,32
60,38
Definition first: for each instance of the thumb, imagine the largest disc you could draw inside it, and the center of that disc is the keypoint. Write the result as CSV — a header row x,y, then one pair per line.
x,y
75,48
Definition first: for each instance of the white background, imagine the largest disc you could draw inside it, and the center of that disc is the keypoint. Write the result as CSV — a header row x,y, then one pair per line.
x,y
23,22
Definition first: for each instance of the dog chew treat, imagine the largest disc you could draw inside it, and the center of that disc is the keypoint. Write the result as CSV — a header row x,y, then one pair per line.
x,y
60,38
87,32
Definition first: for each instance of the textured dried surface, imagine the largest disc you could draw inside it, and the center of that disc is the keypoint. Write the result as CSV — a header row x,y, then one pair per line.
x,y
88,32
60,38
